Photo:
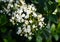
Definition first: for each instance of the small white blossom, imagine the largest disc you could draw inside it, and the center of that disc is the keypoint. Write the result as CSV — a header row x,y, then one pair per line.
x,y
28,29
28,11
22,1
25,35
42,19
10,0
34,26
13,18
30,33
25,30
22,20
26,22
40,16
23,15
36,29
34,14
20,11
19,30
29,37
55,11
33,8
40,24
30,21
27,16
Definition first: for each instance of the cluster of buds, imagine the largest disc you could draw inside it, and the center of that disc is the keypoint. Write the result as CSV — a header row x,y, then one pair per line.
x,y
27,20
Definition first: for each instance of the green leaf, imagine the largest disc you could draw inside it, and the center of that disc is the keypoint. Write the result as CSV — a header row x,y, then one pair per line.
x,y
53,27
58,28
56,37
58,0
38,39
3,19
54,33
5,40
3,30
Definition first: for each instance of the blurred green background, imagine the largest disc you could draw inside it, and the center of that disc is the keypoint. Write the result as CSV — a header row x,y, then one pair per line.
x,y
50,33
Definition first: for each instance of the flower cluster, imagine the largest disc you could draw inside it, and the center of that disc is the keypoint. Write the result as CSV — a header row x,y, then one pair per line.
x,y
7,4
27,20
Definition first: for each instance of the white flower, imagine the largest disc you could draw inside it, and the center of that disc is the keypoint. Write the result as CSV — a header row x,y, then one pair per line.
x,y
28,28
19,30
33,8
26,22
29,7
10,0
55,11
23,15
30,21
17,16
34,14
19,11
40,24
27,16
24,25
25,35
21,34
9,5
24,7
12,21
18,20
22,1
40,16
13,18
36,29
42,19
28,11
29,37
15,4
34,26
30,33
22,20
25,30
